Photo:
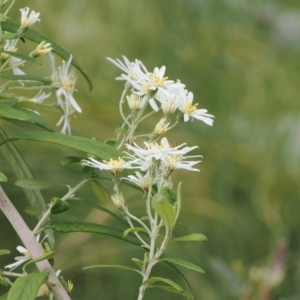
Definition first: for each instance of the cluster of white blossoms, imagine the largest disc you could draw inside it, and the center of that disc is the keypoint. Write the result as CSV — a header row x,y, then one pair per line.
x,y
154,161
154,85
63,78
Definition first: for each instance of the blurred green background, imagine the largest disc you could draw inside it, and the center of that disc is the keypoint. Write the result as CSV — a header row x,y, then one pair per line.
x,y
241,59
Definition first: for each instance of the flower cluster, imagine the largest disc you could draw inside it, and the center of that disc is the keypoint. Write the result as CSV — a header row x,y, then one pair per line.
x,y
155,87
155,162
63,78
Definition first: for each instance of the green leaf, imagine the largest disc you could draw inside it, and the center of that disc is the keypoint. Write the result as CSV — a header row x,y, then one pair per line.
x,y
36,37
22,56
178,202
165,210
4,297
99,207
88,172
66,226
20,169
47,255
9,36
112,142
152,280
195,237
183,263
4,251
123,267
169,194
100,192
34,184
138,262
3,178
38,106
183,293
135,229
9,102
70,160
59,206
32,211
99,149
27,77
21,114
26,287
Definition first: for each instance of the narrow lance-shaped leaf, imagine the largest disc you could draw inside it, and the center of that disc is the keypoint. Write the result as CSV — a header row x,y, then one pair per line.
x,y
4,251
66,226
27,77
21,114
22,56
177,205
122,267
99,149
34,184
38,106
165,280
183,263
36,37
135,229
195,237
26,287
183,293
47,255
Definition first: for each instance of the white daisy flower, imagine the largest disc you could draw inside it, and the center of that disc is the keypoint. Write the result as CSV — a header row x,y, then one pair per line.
x,y
190,111
41,49
154,152
19,259
143,181
116,166
132,70
14,62
65,80
40,97
28,20
172,162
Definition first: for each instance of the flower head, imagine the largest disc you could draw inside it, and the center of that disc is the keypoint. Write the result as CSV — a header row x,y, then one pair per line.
x,y
116,166
143,181
165,156
41,49
28,20
19,259
190,110
65,80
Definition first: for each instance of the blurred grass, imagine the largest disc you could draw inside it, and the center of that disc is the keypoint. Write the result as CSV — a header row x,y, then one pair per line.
x,y
241,59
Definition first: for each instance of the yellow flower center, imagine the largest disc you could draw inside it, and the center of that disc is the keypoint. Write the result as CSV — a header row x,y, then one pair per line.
x,y
173,161
155,81
115,165
155,145
189,108
68,85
